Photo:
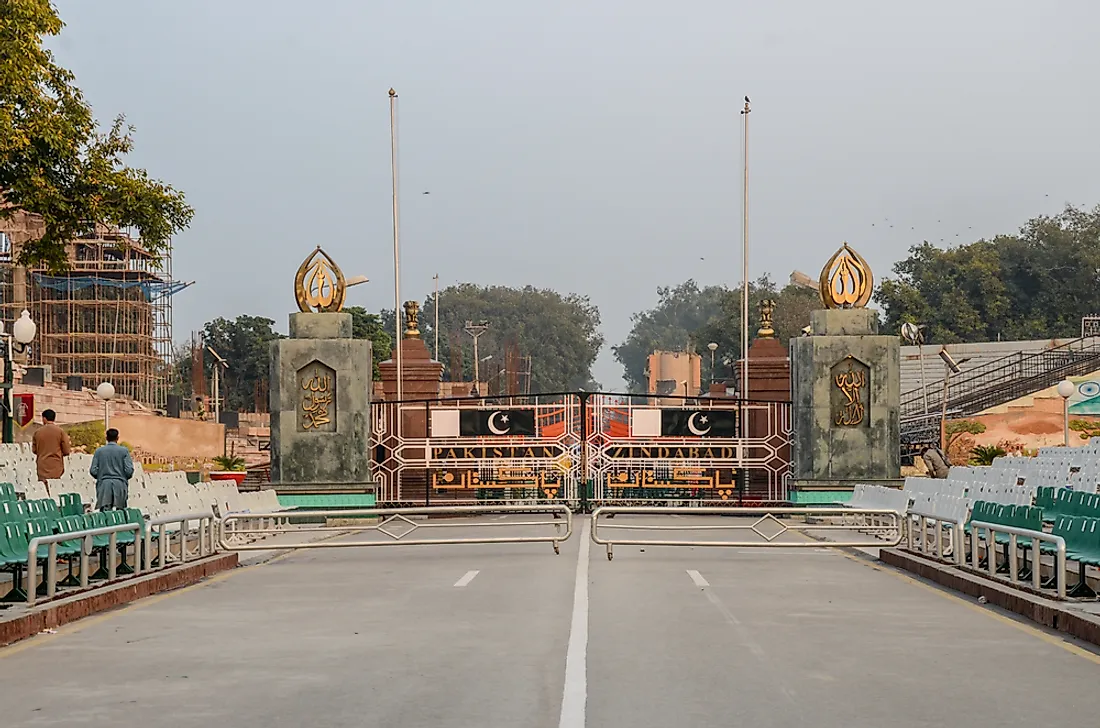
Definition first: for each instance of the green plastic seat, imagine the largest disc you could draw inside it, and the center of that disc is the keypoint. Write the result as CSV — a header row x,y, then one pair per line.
x,y
7,492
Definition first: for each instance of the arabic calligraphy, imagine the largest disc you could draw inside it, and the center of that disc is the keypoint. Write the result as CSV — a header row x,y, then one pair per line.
x,y
846,280
317,384
850,408
319,285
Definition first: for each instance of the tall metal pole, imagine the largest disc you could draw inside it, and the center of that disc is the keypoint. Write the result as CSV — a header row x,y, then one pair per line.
x,y
745,262
477,371
436,327
396,243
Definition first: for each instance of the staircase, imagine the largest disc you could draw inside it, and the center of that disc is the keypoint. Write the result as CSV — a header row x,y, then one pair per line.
x,y
998,382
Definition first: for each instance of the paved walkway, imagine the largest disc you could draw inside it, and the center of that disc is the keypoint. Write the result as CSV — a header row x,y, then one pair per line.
x,y
512,635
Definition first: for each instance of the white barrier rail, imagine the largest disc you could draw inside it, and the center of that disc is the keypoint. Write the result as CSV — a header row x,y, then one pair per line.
x,y
872,522
956,532
206,536
401,516
85,538
1013,533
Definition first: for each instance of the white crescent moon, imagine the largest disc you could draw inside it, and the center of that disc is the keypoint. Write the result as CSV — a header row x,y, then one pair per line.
x,y
694,429
493,428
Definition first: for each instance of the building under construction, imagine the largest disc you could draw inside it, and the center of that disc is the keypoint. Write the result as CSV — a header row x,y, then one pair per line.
x,y
108,318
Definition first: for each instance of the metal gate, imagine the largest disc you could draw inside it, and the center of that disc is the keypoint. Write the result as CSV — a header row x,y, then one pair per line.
x,y
582,449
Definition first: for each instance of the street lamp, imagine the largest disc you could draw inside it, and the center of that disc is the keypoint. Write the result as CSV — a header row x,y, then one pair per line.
x,y
106,392
23,332
1066,389
713,346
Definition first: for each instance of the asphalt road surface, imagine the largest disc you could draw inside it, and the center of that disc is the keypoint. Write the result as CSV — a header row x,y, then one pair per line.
x,y
511,635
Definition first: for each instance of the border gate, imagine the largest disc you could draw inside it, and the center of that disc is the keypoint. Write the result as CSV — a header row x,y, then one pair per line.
x,y
582,449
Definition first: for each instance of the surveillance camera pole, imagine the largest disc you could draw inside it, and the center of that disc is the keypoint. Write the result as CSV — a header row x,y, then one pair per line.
x,y
476,330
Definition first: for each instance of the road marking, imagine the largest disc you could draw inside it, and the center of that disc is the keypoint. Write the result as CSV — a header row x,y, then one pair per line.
x,y
467,578
82,624
575,694
950,596
697,578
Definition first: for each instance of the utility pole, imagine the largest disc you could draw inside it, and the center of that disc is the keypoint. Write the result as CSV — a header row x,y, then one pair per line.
x,y
436,327
745,262
396,243
476,330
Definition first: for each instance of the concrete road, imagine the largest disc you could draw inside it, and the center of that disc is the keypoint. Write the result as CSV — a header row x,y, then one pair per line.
x,y
512,635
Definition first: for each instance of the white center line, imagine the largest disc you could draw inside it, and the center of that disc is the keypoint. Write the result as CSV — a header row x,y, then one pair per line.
x,y
697,578
467,578
575,695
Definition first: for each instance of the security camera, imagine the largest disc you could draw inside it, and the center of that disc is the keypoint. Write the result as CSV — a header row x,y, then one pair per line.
x,y
954,367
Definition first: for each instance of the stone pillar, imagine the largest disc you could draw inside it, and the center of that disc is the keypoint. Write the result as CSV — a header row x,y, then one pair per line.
x,y
846,386
320,405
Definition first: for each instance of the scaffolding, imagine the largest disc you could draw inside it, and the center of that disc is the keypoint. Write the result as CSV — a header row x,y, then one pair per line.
x,y
108,318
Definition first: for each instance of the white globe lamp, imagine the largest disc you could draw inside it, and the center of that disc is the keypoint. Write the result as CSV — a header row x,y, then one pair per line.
x,y
1066,388
24,329
106,392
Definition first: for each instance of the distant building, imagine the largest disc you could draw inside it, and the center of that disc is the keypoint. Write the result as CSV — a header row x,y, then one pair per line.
x,y
675,372
107,318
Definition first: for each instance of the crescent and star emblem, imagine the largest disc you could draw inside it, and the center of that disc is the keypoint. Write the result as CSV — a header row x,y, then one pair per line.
x,y
503,427
694,428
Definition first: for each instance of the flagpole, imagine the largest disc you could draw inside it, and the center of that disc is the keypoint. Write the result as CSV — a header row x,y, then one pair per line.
x,y
745,261
396,243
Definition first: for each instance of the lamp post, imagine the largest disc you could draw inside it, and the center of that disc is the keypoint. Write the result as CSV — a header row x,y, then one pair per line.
x,y
23,332
1066,389
106,392
396,245
713,346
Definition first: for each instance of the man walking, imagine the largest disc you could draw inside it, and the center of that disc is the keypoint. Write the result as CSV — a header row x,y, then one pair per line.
x,y
51,445
112,468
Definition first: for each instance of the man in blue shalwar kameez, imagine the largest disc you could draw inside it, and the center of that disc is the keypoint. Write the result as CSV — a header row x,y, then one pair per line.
x,y
112,468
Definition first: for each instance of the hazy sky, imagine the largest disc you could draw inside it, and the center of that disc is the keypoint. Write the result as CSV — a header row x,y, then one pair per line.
x,y
591,147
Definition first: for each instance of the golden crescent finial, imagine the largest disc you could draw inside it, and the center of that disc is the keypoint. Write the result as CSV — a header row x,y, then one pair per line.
x,y
846,280
319,286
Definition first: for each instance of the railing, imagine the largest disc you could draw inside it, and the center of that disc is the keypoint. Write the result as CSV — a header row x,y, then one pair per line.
x,y
1007,378
815,520
955,541
85,537
206,536
399,517
1013,568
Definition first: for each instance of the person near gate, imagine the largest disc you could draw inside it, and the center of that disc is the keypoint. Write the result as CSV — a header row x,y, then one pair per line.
x,y
112,468
51,445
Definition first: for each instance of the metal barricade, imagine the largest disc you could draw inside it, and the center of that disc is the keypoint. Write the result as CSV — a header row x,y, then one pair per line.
x,y
1013,533
882,526
918,537
206,545
393,517
85,537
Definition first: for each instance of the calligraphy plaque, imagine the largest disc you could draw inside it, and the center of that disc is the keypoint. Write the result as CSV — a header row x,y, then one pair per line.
x,y
317,398
849,393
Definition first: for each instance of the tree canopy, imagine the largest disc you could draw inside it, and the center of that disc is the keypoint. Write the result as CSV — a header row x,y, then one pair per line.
x,y
366,325
244,343
54,160
559,332
1037,284
689,317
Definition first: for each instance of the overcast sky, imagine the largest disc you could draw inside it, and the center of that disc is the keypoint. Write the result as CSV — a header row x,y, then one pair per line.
x,y
588,146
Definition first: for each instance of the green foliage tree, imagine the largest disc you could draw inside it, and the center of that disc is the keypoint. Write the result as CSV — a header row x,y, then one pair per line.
x,y
559,332
54,160
1035,284
244,343
986,454
689,317
366,325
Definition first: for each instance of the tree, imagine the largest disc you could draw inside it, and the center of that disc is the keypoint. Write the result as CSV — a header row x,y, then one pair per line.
x,y
55,162
365,325
244,343
688,317
1037,284
559,332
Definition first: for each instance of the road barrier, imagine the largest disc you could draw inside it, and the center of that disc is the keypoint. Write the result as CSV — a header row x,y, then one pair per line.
x,y
388,521
874,527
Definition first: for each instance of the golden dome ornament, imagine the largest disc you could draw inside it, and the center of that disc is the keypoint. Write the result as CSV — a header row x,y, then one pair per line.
x,y
846,280
319,286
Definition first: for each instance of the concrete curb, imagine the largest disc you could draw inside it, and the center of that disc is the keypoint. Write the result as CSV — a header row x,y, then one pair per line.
x,y
1059,616
51,615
